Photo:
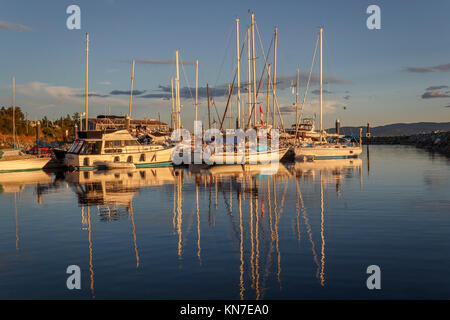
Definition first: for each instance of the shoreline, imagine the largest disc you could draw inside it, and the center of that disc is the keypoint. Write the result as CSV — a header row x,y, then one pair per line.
x,y
437,141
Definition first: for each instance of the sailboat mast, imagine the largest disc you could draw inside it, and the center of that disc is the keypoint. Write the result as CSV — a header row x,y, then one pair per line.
x,y
274,87
321,84
14,111
131,92
249,87
87,81
177,88
268,96
196,90
172,117
229,117
254,68
296,104
238,58
209,112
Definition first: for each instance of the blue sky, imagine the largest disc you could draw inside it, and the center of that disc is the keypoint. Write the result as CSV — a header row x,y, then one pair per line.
x,y
383,74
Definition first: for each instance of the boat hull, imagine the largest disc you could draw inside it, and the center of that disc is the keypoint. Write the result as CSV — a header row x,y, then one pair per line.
x,y
143,159
262,157
327,152
27,164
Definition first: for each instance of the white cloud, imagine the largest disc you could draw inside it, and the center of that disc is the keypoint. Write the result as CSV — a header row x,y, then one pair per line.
x,y
13,26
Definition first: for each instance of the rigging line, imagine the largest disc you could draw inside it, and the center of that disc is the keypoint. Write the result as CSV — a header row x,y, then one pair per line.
x,y
231,91
187,81
265,58
264,69
306,88
275,100
223,60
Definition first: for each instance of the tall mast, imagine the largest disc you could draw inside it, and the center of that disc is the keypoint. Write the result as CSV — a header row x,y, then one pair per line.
x,y
268,96
274,87
172,117
131,92
177,87
14,111
209,113
238,59
196,90
87,81
249,87
296,104
321,89
254,69
229,117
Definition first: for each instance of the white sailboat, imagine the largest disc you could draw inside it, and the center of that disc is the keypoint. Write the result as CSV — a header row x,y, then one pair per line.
x,y
12,160
323,149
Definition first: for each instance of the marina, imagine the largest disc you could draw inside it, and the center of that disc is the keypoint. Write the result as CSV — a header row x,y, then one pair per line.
x,y
186,152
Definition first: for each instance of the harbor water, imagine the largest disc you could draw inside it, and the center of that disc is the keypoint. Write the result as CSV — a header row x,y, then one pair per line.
x,y
305,230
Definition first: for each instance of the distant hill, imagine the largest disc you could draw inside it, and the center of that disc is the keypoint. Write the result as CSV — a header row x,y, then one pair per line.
x,y
396,129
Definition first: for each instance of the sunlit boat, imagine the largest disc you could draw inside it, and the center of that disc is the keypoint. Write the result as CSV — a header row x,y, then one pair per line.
x,y
100,149
328,151
15,160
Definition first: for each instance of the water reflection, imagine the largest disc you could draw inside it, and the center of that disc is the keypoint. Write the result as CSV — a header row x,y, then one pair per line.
x,y
254,197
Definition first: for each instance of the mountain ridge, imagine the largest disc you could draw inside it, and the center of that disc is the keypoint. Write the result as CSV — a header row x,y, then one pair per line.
x,y
395,129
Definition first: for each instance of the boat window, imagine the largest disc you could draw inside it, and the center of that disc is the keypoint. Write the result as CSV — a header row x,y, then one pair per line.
x,y
108,144
86,162
118,143
92,147
142,158
116,159
130,159
131,143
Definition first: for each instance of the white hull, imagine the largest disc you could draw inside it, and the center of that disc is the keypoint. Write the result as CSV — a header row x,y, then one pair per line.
x,y
326,152
139,159
26,164
252,157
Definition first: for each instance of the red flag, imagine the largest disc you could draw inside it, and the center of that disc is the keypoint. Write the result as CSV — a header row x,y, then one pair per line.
x,y
262,115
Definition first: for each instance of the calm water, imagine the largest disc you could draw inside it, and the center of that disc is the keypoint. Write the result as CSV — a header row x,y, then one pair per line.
x,y
306,231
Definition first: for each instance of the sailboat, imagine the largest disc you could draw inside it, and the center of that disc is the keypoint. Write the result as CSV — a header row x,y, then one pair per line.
x,y
12,160
256,152
323,149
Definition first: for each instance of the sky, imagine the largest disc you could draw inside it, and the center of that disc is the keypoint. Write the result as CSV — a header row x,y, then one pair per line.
x,y
398,73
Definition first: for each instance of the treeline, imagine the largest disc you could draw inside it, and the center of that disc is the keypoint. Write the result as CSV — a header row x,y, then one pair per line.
x,y
54,129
